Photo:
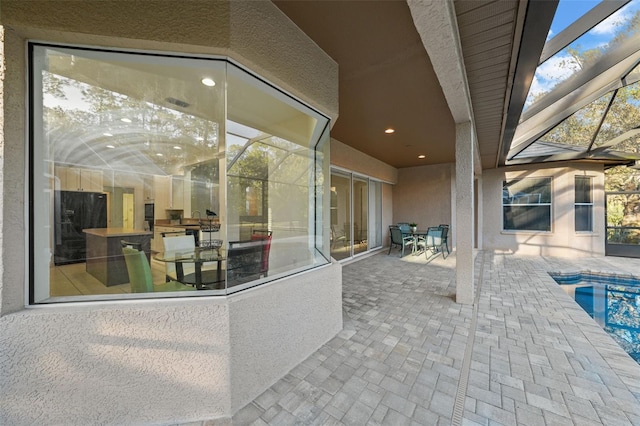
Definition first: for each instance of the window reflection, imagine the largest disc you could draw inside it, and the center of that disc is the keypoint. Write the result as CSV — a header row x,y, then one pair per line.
x,y
116,133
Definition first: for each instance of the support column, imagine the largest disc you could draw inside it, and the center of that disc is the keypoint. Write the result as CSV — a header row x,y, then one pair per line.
x,y
464,213
479,210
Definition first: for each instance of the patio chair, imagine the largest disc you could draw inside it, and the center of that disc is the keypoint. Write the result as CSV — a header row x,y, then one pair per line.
x,y
433,241
445,236
404,227
400,239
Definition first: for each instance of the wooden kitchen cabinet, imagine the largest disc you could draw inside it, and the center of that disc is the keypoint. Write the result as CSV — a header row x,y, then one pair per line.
x,y
161,193
79,179
181,195
148,188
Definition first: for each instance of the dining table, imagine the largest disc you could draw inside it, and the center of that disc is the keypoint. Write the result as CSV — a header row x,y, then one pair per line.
x,y
201,279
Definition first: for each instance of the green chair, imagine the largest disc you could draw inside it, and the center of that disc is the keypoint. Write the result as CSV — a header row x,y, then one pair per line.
x,y
398,238
140,274
434,240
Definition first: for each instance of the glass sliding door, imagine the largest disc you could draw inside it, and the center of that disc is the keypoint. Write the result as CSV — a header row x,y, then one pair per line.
x,y
360,214
356,214
375,214
340,215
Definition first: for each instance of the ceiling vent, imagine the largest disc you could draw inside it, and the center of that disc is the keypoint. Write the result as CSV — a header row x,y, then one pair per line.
x,y
178,102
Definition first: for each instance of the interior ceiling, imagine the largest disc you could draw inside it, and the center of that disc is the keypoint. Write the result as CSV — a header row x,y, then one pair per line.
x,y
386,78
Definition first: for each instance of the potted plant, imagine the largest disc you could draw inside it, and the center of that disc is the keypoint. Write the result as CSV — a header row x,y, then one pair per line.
x,y
174,218
413,226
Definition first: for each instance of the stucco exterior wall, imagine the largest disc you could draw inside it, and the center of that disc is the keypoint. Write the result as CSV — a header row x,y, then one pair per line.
x,y
423,195
136,363
151,361
268,322
256,34
562,240
351,159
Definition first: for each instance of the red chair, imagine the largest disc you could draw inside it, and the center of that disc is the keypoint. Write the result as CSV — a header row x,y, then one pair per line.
x,y
263,235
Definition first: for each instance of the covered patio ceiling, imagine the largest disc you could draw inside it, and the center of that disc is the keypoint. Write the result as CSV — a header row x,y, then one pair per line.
x,y
387,79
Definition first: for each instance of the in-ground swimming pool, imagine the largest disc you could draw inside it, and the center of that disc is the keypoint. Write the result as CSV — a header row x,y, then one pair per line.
x,y
612,300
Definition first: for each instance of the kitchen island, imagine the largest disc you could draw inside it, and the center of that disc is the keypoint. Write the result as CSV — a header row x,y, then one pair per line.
x,y
104,252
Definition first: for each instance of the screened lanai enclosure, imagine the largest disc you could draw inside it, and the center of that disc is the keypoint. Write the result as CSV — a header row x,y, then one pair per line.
x,y
583,105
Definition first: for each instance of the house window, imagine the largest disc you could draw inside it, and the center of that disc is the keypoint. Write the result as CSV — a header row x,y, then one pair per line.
x,y
526,204
226,158
584,204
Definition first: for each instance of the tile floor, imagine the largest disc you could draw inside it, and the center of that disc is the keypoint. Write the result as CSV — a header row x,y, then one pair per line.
x,y
524,353
74,280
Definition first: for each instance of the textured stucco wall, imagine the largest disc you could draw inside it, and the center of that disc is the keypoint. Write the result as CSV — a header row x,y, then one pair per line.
x,y
273,327
145,361
13,176
351,159
256,34
423,195
562,240
136,363
465,218
2,84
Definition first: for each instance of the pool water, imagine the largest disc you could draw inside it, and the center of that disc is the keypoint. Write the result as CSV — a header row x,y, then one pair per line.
x,y
612,300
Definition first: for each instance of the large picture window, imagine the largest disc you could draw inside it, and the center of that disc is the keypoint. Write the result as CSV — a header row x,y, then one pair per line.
x,y
526,204
161,175
583,204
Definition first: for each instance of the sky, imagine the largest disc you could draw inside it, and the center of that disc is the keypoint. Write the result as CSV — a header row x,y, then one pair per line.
x,y
561,66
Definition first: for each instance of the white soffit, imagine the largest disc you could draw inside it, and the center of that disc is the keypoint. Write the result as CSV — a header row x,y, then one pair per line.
x,y
489,36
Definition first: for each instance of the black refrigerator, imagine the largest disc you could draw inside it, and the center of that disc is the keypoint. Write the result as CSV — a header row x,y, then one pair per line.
x,y
75,211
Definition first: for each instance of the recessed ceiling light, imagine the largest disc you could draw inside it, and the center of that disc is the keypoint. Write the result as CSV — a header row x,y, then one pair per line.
x,y
159,154
177,147
110,146
208,82
108,134
421,156
125,120
389,130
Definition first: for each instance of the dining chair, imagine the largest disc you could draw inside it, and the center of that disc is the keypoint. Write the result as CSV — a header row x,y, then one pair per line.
x,y
264,236
177,243
398,238
337,238
244,261
140,277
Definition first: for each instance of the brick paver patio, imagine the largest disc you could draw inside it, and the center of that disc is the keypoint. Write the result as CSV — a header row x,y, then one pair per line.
x,y
525,353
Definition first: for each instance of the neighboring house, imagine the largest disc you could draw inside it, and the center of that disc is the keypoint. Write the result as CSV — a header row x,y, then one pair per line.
x,y
227,113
